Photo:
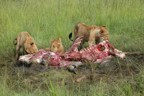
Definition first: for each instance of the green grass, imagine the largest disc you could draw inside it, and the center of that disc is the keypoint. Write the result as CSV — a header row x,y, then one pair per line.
x,y
49,19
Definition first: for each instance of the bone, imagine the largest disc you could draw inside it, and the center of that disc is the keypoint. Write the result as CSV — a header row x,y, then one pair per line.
x,y
78,80
26,58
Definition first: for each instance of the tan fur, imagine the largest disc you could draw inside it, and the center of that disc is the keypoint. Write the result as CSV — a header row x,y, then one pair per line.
x,y
91,33
56,46
25,41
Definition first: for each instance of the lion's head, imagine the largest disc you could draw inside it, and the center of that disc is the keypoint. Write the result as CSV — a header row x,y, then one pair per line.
x,y
56,46
104,32
30,46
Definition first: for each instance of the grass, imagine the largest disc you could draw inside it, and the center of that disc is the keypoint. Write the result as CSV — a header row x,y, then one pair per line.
x,y
49,19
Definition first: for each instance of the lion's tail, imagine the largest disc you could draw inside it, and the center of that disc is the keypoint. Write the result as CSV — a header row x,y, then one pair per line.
x,y
70,36
15,41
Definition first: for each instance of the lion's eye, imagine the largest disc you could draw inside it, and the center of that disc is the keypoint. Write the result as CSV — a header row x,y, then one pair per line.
x,y
102,32
32,43
58,45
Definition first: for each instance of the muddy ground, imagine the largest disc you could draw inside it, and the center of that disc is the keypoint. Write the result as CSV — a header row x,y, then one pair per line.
x,y
86,73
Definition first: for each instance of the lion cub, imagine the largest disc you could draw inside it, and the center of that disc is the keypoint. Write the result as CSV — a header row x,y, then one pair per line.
x,y
25,41
56,46
91,34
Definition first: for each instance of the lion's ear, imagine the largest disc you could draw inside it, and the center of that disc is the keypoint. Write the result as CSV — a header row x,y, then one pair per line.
x,y
59,39
104,26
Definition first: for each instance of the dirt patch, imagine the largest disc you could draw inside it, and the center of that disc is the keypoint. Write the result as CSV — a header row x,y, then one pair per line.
x,y
88,73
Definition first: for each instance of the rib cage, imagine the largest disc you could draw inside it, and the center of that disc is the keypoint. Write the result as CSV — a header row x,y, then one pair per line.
x,y
93,53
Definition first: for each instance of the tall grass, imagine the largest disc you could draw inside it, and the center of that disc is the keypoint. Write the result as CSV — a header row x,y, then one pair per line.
x,y
49,19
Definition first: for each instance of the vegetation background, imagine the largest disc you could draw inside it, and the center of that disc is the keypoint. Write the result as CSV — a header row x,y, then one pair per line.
x,y
49,19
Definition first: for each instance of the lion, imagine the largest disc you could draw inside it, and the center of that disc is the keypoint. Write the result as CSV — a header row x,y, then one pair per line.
x,y
56,46
25,41
91,34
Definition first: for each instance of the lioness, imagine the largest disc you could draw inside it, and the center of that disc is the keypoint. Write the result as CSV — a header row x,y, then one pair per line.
x,y
91,34
25,41
56,46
